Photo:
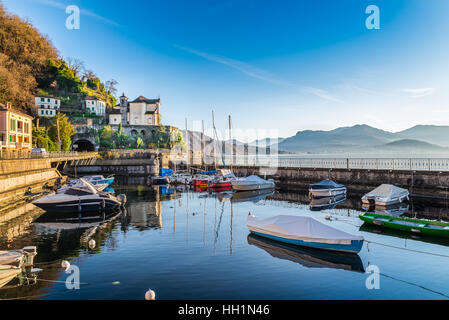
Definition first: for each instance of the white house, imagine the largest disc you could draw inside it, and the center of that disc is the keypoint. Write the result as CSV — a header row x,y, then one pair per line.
x,y
47,106
95,105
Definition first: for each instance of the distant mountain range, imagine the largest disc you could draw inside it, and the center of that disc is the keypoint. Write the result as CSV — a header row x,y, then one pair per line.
x,y
364,138
418,141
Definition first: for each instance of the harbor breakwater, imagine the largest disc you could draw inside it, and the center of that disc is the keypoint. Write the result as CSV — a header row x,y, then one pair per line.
x,y
17,176
430,185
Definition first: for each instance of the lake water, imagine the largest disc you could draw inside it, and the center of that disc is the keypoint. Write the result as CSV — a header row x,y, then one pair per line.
x,y
196,245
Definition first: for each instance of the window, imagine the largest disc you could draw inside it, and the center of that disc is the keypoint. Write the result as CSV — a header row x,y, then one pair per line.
x,y
56,101
42,106
42,99
48,100
46,111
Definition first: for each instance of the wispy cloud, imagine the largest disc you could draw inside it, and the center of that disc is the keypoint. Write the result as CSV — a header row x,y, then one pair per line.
x,y
243,67
321,93
419,92
257,73
59,5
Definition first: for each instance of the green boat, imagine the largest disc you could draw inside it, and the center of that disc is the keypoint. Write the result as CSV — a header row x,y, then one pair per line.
x,y
416,226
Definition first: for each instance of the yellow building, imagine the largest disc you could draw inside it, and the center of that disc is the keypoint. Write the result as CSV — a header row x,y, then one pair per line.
x,y
15,129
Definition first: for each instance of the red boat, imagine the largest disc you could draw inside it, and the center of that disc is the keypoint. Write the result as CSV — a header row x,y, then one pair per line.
x,y
222,185
200,181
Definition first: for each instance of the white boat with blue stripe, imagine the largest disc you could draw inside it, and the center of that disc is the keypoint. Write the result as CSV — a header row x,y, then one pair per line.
x,y
304,231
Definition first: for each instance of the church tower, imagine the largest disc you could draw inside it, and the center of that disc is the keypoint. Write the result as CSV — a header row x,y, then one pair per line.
x,y
124,108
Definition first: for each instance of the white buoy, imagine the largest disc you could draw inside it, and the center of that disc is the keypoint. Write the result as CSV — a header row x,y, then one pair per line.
x,y
150,295
65,264
92,243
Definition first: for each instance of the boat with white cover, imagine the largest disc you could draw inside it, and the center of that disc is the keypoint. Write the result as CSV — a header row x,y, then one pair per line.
x,y
326,188
386,194
304,231
251,183
76,199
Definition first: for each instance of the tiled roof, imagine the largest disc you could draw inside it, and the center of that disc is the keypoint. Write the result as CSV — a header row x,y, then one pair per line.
x,y
146,100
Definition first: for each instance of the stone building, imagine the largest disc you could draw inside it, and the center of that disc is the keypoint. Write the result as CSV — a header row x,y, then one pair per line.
x,y
139,112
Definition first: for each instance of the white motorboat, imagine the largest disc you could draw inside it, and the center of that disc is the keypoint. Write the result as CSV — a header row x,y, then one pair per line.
x,y
326,188
78,183
251,183
386,194
76,199
99,179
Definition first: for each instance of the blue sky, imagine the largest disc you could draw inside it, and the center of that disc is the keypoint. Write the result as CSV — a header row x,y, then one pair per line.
x,y
282,66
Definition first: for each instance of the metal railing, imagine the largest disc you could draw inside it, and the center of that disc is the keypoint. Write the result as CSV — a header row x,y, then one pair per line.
x,y
394,164
21,155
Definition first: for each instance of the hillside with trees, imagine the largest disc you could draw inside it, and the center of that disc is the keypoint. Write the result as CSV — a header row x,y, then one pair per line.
x,y
30,64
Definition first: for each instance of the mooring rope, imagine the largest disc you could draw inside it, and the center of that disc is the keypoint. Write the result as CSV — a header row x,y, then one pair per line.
x,y
412,250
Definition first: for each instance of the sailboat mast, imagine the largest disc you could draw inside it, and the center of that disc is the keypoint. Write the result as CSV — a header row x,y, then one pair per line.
x,y
215,142
230,139
187,148
202,144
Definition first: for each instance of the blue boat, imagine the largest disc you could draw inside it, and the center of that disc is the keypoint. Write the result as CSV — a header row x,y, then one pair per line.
x,y
99,179
304,231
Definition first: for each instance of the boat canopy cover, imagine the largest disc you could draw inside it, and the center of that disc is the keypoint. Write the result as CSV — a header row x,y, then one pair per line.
x,y
387,191
226,173
300,228
326,184
254,180
165,172
207,172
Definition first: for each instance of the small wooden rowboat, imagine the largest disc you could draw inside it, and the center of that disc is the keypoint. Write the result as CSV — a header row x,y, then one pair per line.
x,y
304,231
7,273
417,226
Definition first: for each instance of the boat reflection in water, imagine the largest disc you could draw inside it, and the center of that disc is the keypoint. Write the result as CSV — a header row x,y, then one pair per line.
x,y
395,210
309,258
323,203
253,196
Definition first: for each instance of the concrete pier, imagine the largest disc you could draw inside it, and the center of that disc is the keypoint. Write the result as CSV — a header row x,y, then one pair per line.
x,y
421,184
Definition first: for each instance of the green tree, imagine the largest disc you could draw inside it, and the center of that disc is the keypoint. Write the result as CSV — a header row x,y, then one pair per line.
x,y
66,131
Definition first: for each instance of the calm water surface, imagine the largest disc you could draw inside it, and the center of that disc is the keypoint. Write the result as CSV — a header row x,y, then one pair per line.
x,y
195,245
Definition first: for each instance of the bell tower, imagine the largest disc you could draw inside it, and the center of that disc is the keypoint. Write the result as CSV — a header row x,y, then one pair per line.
x,y
124,108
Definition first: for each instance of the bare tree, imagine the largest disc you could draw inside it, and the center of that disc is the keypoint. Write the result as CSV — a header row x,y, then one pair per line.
x,y
76,65
88,74
111,86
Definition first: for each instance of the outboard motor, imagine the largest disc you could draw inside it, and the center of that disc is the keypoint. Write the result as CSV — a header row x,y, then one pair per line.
x,y
122,199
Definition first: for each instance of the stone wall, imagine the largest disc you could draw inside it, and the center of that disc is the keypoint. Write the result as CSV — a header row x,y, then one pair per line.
x,y
424,184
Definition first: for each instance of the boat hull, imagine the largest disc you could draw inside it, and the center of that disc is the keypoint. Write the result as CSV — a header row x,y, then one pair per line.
x,y
354,247
200,182
250,187
76,206
322,193
415,226
220,185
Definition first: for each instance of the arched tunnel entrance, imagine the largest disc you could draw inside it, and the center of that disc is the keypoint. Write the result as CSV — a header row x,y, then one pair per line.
x,y
83,145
